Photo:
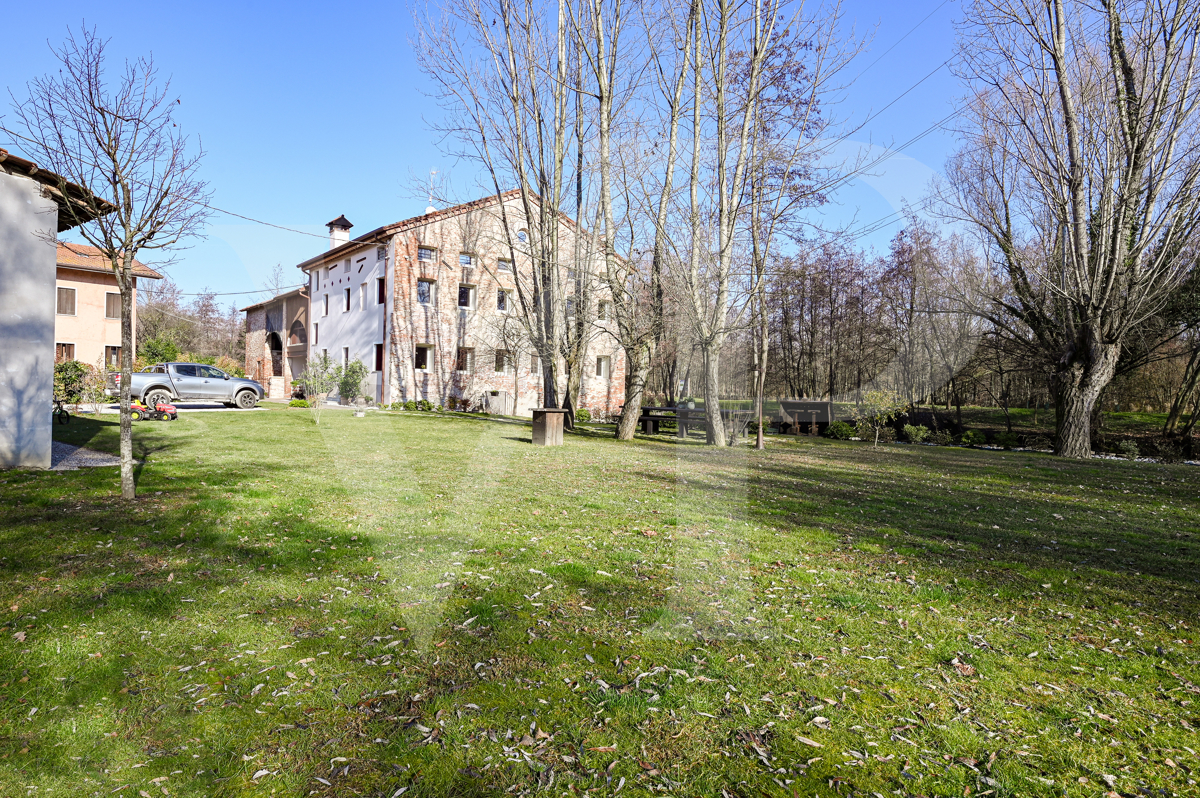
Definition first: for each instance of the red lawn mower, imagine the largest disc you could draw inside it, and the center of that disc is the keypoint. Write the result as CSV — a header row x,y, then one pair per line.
x,y
161,412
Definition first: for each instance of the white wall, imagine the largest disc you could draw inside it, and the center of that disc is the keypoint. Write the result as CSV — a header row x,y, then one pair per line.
x,y
360,328
28,229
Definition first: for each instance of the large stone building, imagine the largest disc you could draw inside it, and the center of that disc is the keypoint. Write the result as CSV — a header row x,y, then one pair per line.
x,y
277,342
429,304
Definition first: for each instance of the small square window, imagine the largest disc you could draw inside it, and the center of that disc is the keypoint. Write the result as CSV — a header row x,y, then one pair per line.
x,y
425,292
66,301
466,259
422,359
504,265
380,253
426,253
502,301
465,360
466,296
64,352
112,305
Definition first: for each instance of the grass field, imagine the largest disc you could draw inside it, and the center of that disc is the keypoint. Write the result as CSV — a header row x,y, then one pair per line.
x,y
416,605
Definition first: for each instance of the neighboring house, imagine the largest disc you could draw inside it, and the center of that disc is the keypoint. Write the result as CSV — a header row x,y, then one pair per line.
x,y
35,206
87,321
429,305
277,341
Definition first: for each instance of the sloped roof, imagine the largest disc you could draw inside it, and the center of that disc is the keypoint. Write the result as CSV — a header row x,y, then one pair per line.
x,y
90,259
72,200
380,233
284,295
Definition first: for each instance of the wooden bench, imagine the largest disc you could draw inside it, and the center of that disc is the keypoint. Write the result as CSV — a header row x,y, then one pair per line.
x,y
650,421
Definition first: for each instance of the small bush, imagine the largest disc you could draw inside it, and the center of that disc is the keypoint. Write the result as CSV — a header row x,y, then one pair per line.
x,y
943,438
410,405
298,403
583,415
1008,440
424,405
973,437
438,408
1040,442
887,435
1128,450
917,433
69,376
840,431
1169,451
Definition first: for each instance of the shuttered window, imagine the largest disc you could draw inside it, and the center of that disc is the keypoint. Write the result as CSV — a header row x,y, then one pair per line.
x,y
112,306
66,302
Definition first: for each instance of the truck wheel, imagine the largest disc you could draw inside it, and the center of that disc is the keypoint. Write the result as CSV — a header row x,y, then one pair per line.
x,y
156,398
246,399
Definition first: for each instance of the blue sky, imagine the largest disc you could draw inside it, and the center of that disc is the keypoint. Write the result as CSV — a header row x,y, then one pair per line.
x,y
308,111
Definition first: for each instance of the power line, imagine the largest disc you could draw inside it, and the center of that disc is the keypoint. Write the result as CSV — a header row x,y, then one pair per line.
x,y
902,38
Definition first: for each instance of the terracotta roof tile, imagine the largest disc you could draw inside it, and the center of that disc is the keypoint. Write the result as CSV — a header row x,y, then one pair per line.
x,y
81,256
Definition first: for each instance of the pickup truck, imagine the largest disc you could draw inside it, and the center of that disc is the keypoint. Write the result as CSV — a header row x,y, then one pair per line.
x,y
164,382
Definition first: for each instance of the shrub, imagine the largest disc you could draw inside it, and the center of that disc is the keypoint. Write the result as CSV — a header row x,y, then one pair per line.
x,y
298,403
876,413
424,405
158,350
886,435
410,405
350,379
973,437
943,438
438,408
1169,451
1128,450
69,376
583,415
1040,442
1008,440
917,433
840,431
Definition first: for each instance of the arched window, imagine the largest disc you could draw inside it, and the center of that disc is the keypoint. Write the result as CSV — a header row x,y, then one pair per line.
x,y
273,342
298,335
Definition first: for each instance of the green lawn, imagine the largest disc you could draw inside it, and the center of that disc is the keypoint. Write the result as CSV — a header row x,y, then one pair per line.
x,y
430,604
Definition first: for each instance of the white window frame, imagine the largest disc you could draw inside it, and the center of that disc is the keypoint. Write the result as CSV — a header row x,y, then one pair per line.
x,y
504,265
470,258
432,292
604,367
428,357
472,297
500,292
470,362
117,294
432,254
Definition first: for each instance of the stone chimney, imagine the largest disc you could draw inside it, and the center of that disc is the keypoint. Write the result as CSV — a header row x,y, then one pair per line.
x,y
339,231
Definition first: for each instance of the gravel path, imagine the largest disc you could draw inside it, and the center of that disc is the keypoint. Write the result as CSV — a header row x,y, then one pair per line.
x,y
65,457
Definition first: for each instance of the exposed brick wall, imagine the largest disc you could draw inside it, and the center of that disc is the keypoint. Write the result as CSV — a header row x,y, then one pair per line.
x,y
256,342
446,328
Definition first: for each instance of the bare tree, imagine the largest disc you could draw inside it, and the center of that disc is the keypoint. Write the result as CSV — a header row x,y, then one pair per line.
x,y
1080,167
119,140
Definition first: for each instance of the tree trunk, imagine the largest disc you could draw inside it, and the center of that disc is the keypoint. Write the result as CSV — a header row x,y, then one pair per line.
x,y
1081,375
637,369
1191,379
715,432
128,490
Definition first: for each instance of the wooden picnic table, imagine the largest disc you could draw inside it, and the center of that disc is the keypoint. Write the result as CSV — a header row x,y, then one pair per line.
x,y
736,419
